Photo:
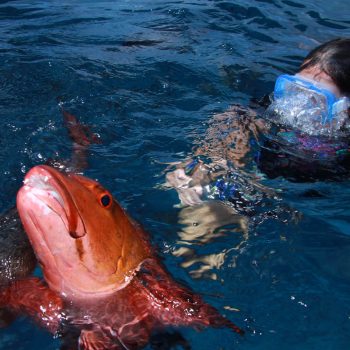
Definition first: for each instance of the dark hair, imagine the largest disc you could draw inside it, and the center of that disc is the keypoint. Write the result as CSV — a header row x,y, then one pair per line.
x,y
332,57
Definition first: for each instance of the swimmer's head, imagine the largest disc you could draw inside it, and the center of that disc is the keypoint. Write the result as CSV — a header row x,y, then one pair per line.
x,y
316,100
310,131
329,63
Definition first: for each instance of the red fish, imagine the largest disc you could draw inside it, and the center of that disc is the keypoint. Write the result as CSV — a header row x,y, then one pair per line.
x,y
17,259
104,287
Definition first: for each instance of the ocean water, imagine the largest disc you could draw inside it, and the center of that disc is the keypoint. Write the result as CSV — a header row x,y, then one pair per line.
x,y
147,76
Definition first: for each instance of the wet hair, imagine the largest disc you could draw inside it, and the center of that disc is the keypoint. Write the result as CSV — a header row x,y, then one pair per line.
x,y
333,58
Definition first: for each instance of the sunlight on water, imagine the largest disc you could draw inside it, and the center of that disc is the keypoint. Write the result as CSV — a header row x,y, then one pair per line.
x,y
147,76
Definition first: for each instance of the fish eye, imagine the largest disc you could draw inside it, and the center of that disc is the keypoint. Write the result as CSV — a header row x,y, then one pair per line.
x,y
106,200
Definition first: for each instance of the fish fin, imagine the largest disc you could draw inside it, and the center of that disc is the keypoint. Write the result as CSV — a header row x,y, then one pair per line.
x,y
32,298
79,133
82,138
97,340
179,305
169,340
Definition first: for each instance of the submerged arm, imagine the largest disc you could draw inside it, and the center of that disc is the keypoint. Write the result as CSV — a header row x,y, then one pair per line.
x,y
229,134
226,144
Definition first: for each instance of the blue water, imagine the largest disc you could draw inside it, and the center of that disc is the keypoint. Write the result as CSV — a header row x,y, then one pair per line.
x,y
147,75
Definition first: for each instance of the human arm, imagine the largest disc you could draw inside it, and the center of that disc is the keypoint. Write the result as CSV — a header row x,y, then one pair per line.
x,y
229,134
226,144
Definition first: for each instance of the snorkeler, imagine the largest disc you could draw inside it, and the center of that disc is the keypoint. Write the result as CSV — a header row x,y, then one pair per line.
x,y
310,118
303,135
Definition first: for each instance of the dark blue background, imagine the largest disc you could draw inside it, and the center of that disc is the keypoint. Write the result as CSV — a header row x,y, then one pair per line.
x,y
147,75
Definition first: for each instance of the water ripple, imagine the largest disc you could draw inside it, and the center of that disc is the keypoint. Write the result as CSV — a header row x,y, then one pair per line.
x,y
147,76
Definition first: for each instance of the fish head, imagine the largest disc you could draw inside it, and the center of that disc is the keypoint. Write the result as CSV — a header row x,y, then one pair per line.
x,y
85,242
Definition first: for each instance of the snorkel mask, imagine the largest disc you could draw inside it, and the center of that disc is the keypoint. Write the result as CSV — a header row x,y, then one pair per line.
x,y
309,106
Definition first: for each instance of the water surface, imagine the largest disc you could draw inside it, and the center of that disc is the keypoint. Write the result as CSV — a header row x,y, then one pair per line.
x,y
147,75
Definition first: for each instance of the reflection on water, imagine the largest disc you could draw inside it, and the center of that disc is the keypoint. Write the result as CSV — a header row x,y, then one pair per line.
x,y
148,76
223,194
202,224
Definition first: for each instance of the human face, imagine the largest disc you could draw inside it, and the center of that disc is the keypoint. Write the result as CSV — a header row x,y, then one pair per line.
x,y
311,93
311,102
321,77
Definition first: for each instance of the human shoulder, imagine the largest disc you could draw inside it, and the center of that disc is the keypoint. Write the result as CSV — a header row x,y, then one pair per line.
x,y
241,117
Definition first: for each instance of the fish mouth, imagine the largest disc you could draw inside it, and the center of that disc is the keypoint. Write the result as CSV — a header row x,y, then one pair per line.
x,y
45,203
44,198
41,188
48,186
